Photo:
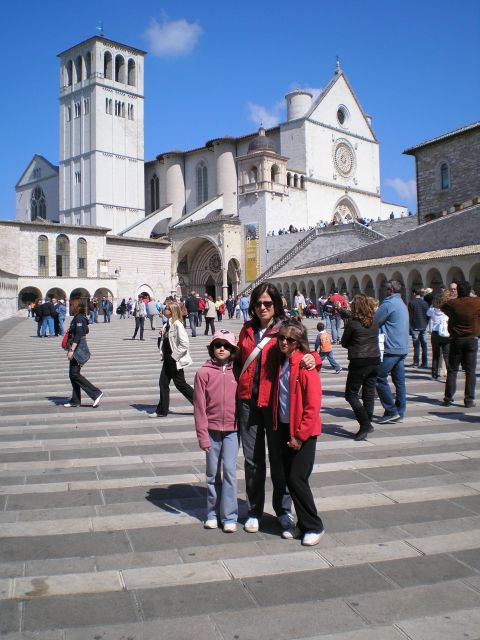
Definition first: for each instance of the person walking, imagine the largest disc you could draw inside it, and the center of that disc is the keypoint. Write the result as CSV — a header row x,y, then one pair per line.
x,y
296,424
139,313
106,309
464,327
417,312
393,320
175,353
151,309
335,305
48,319
360,337
210,313
216,426
230,305
78,354
244,306
191,303
440,337
122,309
61,311
254,364
220,308
37,314
323,346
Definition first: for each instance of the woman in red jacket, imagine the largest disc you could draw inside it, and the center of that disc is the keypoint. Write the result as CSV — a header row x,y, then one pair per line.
x,y
296,417
256,346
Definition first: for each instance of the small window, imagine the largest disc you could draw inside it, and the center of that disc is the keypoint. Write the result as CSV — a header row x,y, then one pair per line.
x,y
81,258
119,69
78,177
122,111
88,64
68,113
42,256
78,109
130,112
107,65
254,174
68,74
342,115
202,183
154,193
289,179
444,176
302,182
295,181
86,106
37,173
131,72
78,69
62,256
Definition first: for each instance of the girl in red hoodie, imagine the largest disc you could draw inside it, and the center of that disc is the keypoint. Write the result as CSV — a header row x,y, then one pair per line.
x,y
296,416
214,393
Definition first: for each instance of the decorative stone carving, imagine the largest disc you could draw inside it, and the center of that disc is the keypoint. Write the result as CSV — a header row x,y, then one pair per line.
x,y
215,263
344,158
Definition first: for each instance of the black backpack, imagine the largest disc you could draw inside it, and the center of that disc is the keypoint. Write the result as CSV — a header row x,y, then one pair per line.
x,y
329,308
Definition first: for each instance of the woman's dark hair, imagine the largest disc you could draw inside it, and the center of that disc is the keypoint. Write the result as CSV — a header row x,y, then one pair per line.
x,y
363,309
440,297
296,329
81,308
273,292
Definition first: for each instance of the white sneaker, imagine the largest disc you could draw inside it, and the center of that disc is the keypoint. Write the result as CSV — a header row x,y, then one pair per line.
x,y
311,538
210,524
230,527
291,534
286,521
251,525
96,402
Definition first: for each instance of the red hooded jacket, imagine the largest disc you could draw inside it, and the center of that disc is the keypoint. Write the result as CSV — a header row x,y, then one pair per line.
x,y
305,400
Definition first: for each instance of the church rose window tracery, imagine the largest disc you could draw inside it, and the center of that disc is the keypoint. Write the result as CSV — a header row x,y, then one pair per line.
x,y
215,264
38,204
344,158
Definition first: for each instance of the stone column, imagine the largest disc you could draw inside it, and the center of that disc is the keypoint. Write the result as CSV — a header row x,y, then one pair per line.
x,y
224,283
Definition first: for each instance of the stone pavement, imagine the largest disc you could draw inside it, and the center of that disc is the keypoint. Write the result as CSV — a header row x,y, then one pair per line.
x,y
100,537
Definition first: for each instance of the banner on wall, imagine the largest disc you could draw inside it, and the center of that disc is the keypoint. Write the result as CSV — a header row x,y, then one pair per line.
x,y
252,252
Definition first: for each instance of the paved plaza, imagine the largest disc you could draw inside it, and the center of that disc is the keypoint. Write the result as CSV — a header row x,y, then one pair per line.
x,y
100,533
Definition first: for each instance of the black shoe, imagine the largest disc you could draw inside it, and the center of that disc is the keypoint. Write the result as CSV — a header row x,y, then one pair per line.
x,y
447,403
362,433
469,404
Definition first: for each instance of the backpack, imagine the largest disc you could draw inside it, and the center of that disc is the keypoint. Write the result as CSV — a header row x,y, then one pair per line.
x,y
325,342
221,309
329,307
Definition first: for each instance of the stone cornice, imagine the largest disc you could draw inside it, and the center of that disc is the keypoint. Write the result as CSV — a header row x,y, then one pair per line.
x,y
348,188
107,153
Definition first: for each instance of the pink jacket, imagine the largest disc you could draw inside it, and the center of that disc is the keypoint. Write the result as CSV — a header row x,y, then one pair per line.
x,y
214,392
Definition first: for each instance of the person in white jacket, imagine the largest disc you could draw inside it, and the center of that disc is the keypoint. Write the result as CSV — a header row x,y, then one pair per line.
x,y
440,336
174,348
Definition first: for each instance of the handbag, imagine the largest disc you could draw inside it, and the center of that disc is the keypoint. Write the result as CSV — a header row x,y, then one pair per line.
x,y
255,353
65,338
443,328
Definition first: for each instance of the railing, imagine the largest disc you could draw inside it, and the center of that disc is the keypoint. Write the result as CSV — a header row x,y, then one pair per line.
x,y
305,241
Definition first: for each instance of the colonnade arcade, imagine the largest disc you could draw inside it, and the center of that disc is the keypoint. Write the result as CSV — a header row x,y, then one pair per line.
x,y
200,266
373,282
31,294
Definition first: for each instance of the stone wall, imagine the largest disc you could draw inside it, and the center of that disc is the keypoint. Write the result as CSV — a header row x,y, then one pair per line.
x,y
390,228
8,294
462,154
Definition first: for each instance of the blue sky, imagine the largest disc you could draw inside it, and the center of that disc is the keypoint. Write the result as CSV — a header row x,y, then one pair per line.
x,y
216,67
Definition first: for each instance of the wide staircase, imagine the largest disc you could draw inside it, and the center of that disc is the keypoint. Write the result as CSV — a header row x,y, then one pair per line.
x,y
100,513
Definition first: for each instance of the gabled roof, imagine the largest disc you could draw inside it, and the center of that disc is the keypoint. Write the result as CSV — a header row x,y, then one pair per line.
x,y
336,77
451,134
35,157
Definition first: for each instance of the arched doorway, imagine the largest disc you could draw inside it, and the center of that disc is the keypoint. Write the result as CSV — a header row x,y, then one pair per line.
x,y
381,281
210,287
57,293
474,278
433,279
398,276
145,291
28,295
103,292
345,211
455,274
78,294
367,286
353,286
414,281
199,268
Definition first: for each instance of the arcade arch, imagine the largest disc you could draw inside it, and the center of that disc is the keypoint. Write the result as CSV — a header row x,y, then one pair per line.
x,y
367,286
103,292
414,281
455,273
353,286
56,292
28,295
433,279
474,278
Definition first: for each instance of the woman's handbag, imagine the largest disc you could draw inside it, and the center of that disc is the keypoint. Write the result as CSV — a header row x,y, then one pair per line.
x,y
82,353
67,340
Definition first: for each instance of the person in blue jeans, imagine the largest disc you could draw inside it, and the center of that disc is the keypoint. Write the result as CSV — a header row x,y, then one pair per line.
x,y
417,311
393,320
244,304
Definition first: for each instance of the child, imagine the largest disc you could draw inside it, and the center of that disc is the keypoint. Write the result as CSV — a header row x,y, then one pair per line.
x,y
323,344
214,411
296,419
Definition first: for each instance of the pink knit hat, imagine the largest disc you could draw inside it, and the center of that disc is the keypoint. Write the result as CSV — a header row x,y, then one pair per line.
x,y
226,336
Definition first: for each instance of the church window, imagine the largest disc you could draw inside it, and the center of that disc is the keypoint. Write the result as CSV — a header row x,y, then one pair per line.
x,y
78,177
62,256
123,110
68,113
342,115
154,193
254,174
131,72
444,176
86,106
37,173
289,179
81,258
107,65
202,183
119,69
77,109
295,181
88,64
274,173
68,73
130,112
78,69
42,256
117,108
302,182
38,204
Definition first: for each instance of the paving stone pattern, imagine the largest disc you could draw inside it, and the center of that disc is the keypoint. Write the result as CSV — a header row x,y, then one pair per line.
x,y
101,509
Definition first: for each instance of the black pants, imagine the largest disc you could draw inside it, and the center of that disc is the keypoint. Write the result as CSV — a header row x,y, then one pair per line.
x,y
168,373
361,377
209,322
439,344
80,382
106,316
298,466
255,423
139,324
462,351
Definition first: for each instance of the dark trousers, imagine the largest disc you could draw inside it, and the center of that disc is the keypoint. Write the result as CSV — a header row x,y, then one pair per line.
x,y
168,373
209,322
106,316
364,378
463,351
255,423
419,342
440,344
139,324
80,382
193,321
298,466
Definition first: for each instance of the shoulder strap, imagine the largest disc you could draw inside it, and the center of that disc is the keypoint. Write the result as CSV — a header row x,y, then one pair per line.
x,y
255,353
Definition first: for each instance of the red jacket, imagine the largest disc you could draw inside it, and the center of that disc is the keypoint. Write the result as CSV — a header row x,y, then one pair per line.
x,y
305,400
338,301
214,400
246,344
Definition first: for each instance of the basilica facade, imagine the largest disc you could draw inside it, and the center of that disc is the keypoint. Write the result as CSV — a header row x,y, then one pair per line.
x,y
106,220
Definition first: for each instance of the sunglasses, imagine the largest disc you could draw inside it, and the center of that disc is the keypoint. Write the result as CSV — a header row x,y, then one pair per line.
x,y
267,305
282,338
225,345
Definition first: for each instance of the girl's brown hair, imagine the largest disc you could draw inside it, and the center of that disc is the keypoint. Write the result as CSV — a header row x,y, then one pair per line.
x,y
440,297
295,329
175,311
363,309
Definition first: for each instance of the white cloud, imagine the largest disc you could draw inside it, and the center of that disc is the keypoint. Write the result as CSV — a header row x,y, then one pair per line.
x,y
266,116
171,38
406,189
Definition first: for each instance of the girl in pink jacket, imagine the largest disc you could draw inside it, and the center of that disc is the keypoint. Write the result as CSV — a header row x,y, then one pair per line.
x,y
214,392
